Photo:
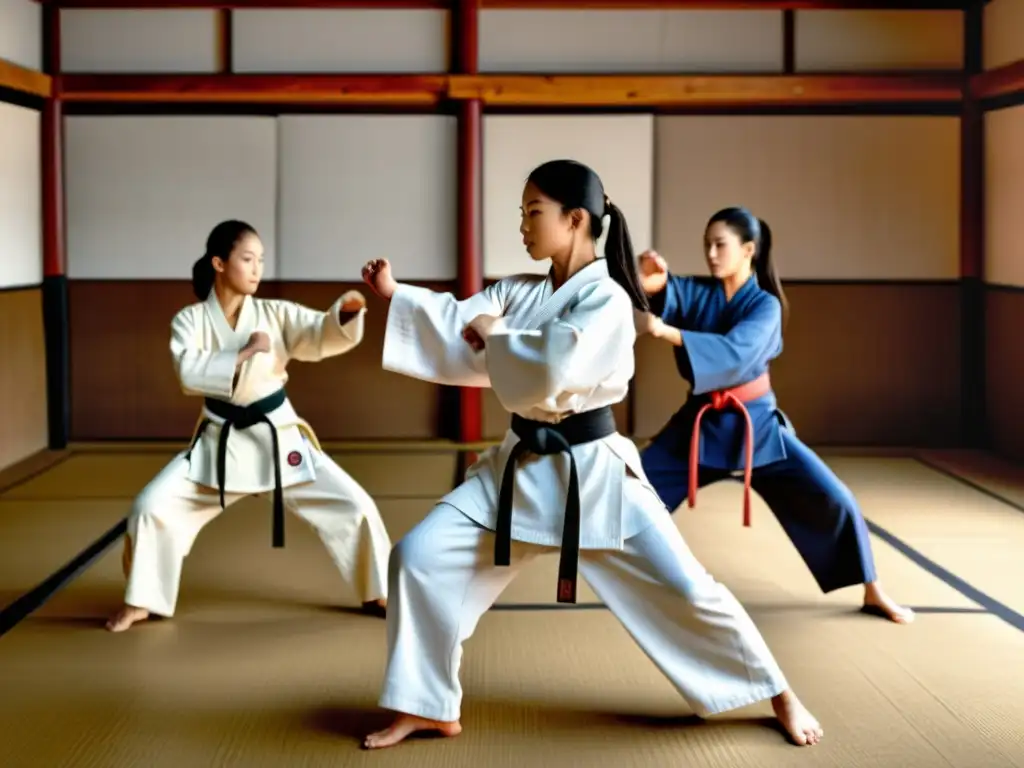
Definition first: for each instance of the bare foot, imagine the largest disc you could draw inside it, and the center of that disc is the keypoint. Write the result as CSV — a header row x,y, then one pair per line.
x,y
877,603
125,617
376,607
800,724
406,725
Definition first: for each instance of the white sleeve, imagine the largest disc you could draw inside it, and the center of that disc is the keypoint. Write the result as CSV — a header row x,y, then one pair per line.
x,y
200,372
311,335
423,337
571,355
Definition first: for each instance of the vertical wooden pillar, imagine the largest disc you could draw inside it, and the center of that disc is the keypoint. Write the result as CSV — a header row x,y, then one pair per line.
x,y
974,429
55,288
465,60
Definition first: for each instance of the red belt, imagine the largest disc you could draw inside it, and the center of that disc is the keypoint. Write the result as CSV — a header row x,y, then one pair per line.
x,y
720,400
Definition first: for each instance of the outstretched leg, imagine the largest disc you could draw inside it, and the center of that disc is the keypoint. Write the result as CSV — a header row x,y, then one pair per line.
x,y
441,580
823,520
691,626
165,519
350,526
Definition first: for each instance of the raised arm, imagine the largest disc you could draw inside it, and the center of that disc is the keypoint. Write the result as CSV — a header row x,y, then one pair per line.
x,y
201,372
720,361
311,335
565,357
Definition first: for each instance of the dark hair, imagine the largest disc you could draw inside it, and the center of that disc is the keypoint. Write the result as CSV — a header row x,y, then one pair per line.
x,y
749,228
221,242
575,185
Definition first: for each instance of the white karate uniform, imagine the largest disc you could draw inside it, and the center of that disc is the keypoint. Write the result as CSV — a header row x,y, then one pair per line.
x,y
172,509
552,354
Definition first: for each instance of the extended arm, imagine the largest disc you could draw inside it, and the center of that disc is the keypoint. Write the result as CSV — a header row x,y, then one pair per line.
x,y
423,338
572,355
311,335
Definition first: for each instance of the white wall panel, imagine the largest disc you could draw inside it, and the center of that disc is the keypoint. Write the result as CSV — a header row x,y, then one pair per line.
x,y
322,40
357,187
143,193
878,40
139,41
618,147
611,41
1004,32
847,198
1004,196
21,225
21,33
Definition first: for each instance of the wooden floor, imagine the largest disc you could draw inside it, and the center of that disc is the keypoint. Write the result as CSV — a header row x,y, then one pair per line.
x,y
264,665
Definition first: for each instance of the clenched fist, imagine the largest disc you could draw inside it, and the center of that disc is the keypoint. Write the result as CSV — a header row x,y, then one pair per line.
x,y
653,271
377,275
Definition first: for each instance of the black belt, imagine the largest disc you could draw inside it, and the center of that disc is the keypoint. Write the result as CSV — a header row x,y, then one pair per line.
x,y
243,417
546,439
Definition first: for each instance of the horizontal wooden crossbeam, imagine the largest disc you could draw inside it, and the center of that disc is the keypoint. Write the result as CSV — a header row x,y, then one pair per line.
x,y
256,89
705,90
1000,81
917,5
17,78
518,90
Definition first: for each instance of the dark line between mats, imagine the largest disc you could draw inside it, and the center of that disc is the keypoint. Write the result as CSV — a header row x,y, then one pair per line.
x,y
953,475
33,475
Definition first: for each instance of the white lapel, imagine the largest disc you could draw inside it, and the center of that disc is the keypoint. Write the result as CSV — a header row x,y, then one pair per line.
x,y
227,335
556,303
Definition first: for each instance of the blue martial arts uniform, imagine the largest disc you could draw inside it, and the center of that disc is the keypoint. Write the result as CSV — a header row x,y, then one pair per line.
x,y
727,344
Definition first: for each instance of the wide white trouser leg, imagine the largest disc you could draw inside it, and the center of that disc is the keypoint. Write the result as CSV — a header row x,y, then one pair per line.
x,y
165,519
442,579
349,524
687,623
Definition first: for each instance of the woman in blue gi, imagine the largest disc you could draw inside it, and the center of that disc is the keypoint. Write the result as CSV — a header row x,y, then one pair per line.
x,y
725,330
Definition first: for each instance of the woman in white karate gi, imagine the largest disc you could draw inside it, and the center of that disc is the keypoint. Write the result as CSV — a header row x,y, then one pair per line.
x,y
232,349
558,351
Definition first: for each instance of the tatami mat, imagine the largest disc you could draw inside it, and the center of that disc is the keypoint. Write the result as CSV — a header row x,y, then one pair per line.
x,y
263,666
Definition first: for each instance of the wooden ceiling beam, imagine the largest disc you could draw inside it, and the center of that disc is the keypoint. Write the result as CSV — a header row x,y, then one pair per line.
x,y
359,90
14,77
917,5
519,90
705,90
1000,81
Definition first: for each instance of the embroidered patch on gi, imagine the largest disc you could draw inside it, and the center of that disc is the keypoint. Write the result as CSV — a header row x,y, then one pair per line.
x,y
294,458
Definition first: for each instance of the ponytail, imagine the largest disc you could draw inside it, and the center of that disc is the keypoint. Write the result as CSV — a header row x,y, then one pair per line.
x,y
618,251
203,275
764,267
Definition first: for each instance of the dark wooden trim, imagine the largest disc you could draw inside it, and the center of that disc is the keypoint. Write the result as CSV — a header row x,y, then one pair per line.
x,y
923,109
972,242
55,289
225,41
465,59
1001,81
705,90
305,90
21,99
915,5
15,77
789,41
1003,288
535,91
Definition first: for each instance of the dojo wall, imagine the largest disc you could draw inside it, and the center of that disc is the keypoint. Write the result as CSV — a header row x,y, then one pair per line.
x,y
23,370
865,209
1004,246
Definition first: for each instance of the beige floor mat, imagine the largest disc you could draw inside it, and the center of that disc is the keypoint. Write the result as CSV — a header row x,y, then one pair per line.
x,y
261,668
977,537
